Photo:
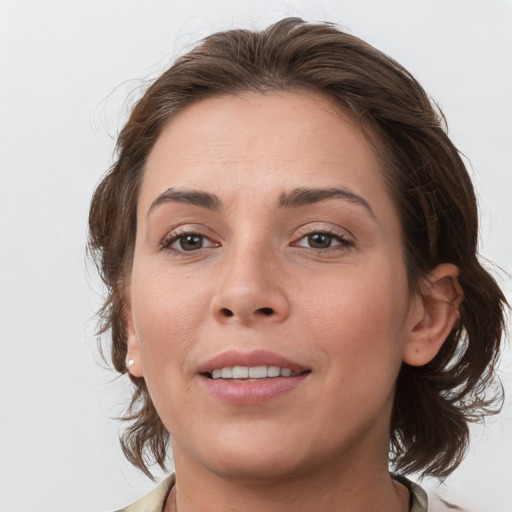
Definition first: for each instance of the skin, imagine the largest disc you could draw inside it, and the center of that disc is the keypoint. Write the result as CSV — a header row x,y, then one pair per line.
x,y
343,309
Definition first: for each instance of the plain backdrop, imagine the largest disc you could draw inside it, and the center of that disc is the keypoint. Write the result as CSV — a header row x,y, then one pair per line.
x,y
69,70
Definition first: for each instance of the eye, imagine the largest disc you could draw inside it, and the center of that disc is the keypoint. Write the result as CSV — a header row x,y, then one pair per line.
x,y
187,242
319,240
323,240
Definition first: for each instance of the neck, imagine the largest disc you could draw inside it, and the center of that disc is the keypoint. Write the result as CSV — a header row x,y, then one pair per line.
x,y
350,490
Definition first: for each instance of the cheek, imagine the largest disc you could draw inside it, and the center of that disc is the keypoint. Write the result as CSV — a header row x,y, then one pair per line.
x,y
358,317
167,315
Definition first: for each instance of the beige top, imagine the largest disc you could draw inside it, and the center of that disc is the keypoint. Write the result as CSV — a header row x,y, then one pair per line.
x,y
155,500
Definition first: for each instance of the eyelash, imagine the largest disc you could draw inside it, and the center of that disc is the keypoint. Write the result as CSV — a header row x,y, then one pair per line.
x,y
176,236
344,242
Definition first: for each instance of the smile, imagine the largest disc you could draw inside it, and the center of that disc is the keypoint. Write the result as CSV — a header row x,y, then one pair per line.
x,y
244,378
251,372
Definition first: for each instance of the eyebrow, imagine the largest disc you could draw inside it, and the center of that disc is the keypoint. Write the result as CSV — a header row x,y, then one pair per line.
x,y
294,199
306,196
193,197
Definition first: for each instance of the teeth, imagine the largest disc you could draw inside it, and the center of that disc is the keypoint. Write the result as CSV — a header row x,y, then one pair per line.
x,y
251,372
257,372
226,373
240,372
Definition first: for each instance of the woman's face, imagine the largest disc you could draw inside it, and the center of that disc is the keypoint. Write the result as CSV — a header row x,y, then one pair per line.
x,y
267,244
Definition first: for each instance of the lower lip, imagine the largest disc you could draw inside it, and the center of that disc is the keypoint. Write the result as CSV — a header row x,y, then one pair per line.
x,y
251,391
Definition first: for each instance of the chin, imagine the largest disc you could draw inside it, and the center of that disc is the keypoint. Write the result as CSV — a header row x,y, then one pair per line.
x,y
252,456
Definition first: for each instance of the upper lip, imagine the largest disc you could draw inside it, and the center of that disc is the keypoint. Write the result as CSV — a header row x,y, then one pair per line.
x,y
230,358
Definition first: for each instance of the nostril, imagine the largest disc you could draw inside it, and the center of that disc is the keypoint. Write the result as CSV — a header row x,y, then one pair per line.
x,y
226,312
265,311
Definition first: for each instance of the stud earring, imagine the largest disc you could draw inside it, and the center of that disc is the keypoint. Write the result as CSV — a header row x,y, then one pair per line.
x,y
131,362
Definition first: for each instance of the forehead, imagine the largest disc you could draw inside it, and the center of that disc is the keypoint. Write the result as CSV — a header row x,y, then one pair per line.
x,y
257,136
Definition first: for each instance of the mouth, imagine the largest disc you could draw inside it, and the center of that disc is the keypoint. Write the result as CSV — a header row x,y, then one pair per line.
x,y
243,378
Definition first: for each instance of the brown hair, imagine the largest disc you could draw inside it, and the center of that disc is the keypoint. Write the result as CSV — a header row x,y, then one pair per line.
x,y
425,174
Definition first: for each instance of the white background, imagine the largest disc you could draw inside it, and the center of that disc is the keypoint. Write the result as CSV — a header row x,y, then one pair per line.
x,y
66,69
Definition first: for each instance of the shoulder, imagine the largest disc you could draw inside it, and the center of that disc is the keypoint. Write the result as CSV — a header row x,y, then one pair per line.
x,y
419,499
155,500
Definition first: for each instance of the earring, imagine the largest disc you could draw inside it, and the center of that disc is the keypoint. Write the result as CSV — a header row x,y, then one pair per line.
x,y
131,362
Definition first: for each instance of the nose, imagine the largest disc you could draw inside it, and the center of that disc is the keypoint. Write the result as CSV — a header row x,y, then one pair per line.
x,y
251,289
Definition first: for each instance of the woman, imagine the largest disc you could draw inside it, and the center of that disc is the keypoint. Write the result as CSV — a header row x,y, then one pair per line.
x,y
288,238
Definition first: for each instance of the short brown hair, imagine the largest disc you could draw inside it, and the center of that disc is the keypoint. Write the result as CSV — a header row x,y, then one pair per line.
x,y
425,175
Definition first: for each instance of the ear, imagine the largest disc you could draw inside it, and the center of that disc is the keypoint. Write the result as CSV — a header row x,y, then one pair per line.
x,y
441,295
133,349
